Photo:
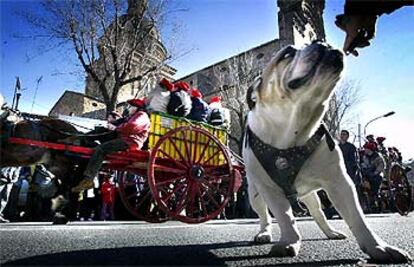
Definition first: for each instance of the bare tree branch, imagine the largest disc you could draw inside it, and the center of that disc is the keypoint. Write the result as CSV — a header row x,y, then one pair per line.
x,y
233,79
114,43
346,98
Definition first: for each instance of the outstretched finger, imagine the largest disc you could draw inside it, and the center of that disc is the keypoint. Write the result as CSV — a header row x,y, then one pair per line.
x,y
347,43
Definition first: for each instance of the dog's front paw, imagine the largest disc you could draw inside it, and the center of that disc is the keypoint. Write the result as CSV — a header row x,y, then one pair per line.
x,y
285,250
388,254
263,237
336,235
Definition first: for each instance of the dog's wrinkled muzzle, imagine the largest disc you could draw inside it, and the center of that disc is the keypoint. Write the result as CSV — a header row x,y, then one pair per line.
x,y
304,68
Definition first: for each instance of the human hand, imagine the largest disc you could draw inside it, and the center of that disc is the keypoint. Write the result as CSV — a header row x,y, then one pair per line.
x,y
359,30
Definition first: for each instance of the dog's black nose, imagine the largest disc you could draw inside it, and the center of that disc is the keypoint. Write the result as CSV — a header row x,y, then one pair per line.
x,y
319,46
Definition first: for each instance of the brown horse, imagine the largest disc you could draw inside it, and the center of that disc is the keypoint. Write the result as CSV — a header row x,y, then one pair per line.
x,y
63,166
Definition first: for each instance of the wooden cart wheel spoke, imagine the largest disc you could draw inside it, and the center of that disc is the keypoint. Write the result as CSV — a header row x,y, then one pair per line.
x,y
203,204
170,194
209,187
211,198
145,197
172,141
181,206
195,146
178,163
170,181
191,201
137,198
203,151
212,156
187,148
217,187
168,169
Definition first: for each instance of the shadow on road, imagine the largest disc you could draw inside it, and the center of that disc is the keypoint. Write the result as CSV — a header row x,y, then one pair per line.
x,y
190,255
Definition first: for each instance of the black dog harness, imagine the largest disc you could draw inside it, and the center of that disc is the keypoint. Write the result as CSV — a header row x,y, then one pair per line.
x,y
283,165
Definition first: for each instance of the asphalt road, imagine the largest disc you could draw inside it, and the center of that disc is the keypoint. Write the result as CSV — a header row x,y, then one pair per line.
x,y
216,243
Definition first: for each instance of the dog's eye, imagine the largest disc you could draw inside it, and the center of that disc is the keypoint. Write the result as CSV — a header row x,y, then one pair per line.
x,y
289,53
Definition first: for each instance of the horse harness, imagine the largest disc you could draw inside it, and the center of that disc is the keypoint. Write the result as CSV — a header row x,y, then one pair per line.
x,y
283,165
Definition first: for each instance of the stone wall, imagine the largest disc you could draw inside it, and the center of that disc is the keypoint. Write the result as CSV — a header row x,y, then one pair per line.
x,y
74,103
206,79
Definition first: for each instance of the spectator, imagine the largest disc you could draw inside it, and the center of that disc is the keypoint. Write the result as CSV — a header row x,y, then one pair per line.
x,y
350,154
372,168
371,140
398,154
199,110
42,189
360,18
108,191
8,176
133,132
89,204
381,147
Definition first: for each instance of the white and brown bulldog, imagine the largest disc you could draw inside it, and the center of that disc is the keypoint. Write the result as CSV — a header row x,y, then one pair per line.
x,y
289,156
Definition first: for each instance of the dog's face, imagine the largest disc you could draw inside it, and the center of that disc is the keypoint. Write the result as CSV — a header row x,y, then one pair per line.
x,y
298,76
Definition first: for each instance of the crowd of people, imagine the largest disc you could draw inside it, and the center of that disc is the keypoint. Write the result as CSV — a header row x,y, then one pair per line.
x,y
369,168
29,194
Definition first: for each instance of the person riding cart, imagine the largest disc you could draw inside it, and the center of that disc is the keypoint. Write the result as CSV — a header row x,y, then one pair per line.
x,y
132,133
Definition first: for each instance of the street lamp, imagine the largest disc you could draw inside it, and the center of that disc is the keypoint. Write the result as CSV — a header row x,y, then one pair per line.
x,y
374,119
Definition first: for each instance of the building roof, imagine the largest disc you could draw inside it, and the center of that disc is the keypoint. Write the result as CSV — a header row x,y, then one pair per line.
x,y
224,60
67,92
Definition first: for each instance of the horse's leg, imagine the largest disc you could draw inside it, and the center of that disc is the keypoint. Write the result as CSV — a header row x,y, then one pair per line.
x,y
62,167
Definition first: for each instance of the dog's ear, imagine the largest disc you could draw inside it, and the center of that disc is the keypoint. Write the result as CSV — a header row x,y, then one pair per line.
x,y
251,95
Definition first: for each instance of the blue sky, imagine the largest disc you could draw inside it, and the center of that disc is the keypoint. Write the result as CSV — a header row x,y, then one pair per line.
x,y
218,29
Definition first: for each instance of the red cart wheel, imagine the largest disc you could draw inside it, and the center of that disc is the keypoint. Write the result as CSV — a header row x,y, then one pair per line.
x,y
136,195
400,189
190,174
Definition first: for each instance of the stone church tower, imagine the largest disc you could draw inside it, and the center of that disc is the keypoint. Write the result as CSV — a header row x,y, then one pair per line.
x,y
151,52
300,21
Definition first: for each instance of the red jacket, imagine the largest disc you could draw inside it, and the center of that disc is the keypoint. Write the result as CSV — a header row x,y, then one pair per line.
x,y
108,191
135,131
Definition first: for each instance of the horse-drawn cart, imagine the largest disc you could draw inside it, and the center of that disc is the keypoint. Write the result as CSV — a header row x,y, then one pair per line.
x,y
187,173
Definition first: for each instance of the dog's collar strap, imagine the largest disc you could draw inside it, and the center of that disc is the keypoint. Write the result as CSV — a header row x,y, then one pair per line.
x,y
283,165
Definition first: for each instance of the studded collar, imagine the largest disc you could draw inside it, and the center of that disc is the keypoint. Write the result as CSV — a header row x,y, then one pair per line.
x,y
283,165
